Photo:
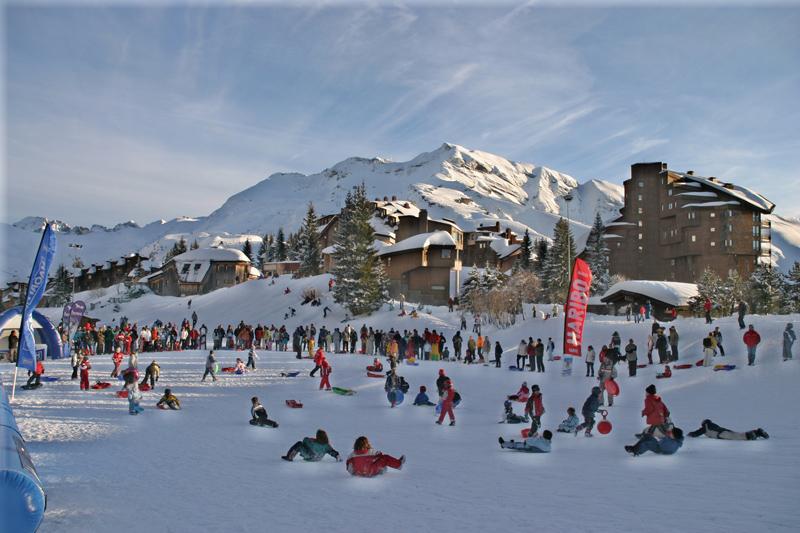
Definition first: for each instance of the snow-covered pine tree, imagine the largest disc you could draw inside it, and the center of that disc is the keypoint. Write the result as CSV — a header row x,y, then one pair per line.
x,y
61,286
732,289
309,250
541,248
557,266
525,260
247,249
361,281
766,289
263,252
708,286
293,247
791,290
280,253
597,254
195,245
471,290
177,249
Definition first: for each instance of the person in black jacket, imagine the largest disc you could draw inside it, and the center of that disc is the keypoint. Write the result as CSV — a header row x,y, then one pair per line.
x,y
498,353
259,414
590,407
631,356
538,350
713,431
441,380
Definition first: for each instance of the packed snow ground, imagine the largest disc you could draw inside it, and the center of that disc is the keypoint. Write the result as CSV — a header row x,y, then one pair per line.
x,y
206,469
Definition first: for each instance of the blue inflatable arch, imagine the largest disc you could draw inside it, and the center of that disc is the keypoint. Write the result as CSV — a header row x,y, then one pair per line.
x,y
21,490
48,333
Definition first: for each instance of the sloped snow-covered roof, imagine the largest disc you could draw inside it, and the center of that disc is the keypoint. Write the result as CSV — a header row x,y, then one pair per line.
x,y
609,224
743,194
502,248
710,204
419,242
212,254
707,194
670,292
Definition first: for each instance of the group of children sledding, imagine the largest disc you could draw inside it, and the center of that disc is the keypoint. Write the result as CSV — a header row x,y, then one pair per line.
x,y
364,461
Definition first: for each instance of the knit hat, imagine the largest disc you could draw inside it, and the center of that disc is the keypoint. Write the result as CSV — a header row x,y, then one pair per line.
x,y
423,388
651,389
441,371
535,388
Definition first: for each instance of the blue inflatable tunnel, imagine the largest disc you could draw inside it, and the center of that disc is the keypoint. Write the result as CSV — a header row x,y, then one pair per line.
x,y
21,491
48,333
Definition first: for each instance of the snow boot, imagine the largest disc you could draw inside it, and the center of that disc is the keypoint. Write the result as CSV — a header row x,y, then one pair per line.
x,y
761,433
286,458
438,423
500,440
629,449
588,434
402,462
453,423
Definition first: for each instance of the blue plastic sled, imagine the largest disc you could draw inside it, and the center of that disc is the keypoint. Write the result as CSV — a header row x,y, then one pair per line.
x,y
398,397
514,367
48,378
438,408
415,363
290,374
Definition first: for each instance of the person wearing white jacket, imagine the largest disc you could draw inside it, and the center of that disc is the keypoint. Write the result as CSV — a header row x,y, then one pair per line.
x,y
522,353
590,357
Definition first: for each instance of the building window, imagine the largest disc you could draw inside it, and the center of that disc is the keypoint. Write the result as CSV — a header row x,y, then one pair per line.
x,y
185,269
641,249
669,192
641,183
672,262
445,253
691,215
640,210
618,244
640,236
640,197
670,205
755,246
713,229
197,266
694,238
712,215
640,223
713,243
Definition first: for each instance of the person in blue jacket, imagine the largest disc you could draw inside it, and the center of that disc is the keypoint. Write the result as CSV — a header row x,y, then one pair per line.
x,y
667,445
590,407
312,449
530,445
569,424
422,397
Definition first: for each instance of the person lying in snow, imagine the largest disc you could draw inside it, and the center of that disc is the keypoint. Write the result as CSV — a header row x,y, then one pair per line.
x,y
531,444
510,417
522,394
422,397
713,431
569,424
367,462
259,414
312,449
667,445
169,400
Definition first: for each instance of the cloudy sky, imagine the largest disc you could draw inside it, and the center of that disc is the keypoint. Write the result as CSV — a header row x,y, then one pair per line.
x,y
144,113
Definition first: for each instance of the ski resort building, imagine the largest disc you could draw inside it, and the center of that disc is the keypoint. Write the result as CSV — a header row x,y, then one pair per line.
x,y
674,225
106,274
200,271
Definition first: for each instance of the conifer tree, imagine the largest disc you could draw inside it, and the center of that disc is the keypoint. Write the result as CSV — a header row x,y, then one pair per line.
x,y
195,245
597,254
525,260
61,286
281,253
308,247
791,291
361,281
247,249
766,289
177,249
541,248
557,266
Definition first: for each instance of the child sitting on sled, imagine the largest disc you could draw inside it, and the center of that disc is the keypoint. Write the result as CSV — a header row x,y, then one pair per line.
x,y
169,400
569,424
667,373
239,368
368,462
422,397
522,394
510,417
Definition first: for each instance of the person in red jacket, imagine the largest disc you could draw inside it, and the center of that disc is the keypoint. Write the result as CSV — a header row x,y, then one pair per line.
x,y
447,398
751,339
707,308
319,355
367,462
325,374
85,366
655,411
117,358
35,378
534,408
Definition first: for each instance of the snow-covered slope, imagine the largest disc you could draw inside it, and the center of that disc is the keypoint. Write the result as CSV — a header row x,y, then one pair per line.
x,y
468,186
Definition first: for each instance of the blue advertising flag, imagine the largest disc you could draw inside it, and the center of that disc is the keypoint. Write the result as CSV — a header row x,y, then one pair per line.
x,y
36,287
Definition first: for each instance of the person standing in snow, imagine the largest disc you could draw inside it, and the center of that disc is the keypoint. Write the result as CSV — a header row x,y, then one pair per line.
x,y
325,374
211,363
707,307
708,352
751,339
152,372
674,338
590,357
607,372
251,358
447,398
498,354
117,359
631,357
538,351
522,354
85,367
551,347
534,408
742,311
788,340
717,334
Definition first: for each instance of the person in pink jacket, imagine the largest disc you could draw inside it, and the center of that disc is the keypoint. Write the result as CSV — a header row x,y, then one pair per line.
x,y
534,408
447,397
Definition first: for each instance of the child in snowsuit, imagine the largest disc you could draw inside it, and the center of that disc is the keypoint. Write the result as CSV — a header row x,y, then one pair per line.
x,y
133,399
312,449
590,407
151,372
447,398
367,462
422,397
713,431
534,408
117,358
667,373
251,358
530,444
522,394
239,367
259,414
656,412
211,363
85,367
569,424
325,374
169,400
667,445
510,417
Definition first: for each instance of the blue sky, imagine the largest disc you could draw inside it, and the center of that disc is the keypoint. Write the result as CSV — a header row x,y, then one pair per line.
x,y
145,113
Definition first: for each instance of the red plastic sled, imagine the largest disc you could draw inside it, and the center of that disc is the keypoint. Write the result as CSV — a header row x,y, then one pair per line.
x,y
229,369
294,404
122,394
685,365
612,387
699,363
525,432
144,387
375,375
101,385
